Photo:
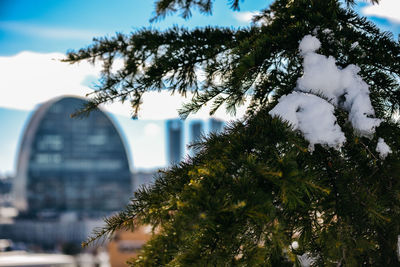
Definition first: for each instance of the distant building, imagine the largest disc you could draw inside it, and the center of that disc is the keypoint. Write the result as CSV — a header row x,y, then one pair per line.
x,y
196,131
174,141
50,233
22,258
6,191
216,126
127,245
71,165
144,178
180,134
5,185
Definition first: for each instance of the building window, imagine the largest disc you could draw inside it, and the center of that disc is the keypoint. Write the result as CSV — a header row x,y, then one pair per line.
x,y
50,142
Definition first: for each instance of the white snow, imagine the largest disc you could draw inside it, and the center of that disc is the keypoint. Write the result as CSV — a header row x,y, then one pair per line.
x,y
321,82
316,29
313,116
343,87
328,32
354,45
382,148
305,260
309,44
295,245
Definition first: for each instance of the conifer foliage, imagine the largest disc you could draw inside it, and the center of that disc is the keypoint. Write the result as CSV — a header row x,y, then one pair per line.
x,y
257,195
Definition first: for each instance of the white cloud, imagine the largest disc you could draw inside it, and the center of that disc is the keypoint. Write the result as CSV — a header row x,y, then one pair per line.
x,y
28,79
151,129
388,9
246,16
163,105
48,32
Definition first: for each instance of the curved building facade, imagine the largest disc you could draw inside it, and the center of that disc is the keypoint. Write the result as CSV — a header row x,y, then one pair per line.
x,y
77,165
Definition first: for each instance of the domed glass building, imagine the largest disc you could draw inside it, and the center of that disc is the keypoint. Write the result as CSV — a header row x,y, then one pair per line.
x,y
77,165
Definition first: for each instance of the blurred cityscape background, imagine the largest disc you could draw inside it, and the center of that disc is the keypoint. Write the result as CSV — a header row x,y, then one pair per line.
x,y
59,176
73,172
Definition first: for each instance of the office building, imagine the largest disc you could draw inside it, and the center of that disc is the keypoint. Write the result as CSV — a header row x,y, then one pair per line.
x,y
126,245
70,165
216,126
174,141
196,131
144,178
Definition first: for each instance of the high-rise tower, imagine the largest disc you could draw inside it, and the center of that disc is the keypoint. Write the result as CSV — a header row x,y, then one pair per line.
x,y
216,125
196,130
174,141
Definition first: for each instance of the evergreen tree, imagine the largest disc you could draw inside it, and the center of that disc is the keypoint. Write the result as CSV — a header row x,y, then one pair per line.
x,y
256,195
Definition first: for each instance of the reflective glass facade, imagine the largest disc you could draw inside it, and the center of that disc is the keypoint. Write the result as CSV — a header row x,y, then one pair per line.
x,y
216,126
69,164
175,140
196,131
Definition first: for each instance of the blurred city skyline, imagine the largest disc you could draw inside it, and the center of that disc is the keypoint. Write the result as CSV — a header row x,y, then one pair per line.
x,y
34,34
70,173
146,140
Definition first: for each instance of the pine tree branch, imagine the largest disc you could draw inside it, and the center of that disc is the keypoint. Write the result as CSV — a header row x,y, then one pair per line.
x,y
255,188
258,59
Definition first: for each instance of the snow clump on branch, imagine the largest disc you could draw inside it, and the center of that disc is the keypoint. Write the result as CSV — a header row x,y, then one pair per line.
x,y
324,86
313,116
382,148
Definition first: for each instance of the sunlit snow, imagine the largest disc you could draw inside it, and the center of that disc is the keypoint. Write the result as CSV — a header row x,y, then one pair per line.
x,y
382,148
313,116
322,87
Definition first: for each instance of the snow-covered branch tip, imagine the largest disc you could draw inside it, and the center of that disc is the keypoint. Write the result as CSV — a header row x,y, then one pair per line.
x,y
324,86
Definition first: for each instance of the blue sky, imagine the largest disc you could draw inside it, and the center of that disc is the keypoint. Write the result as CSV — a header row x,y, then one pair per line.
x,y
56,26
33,33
